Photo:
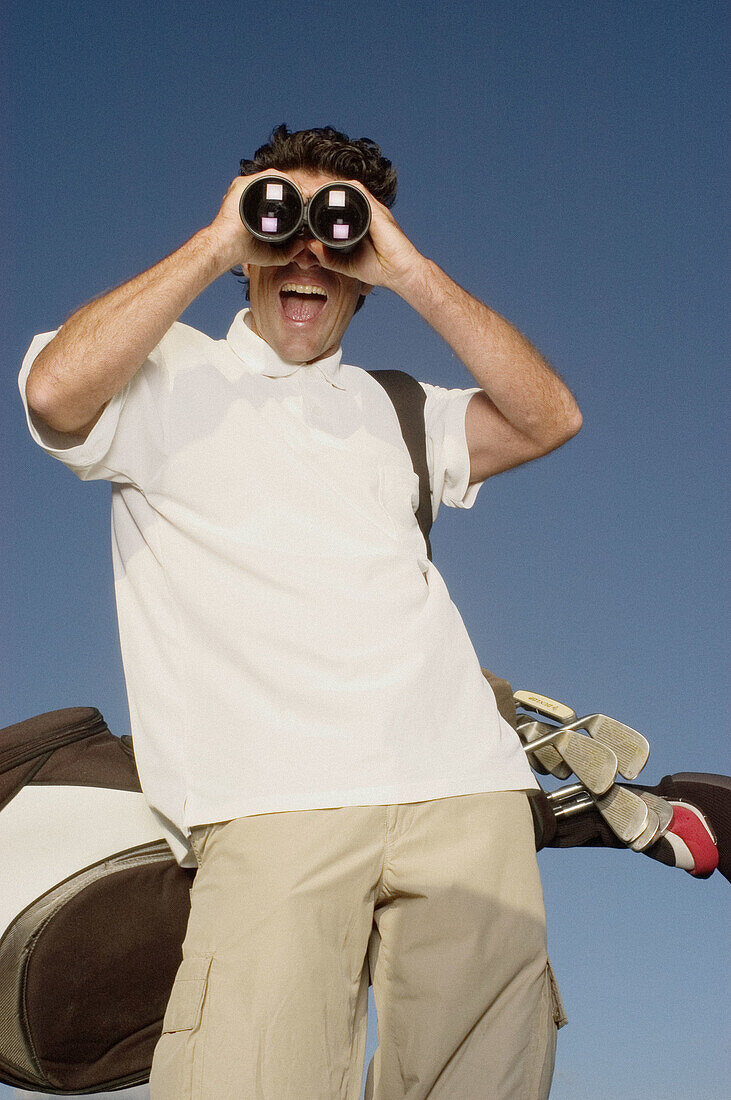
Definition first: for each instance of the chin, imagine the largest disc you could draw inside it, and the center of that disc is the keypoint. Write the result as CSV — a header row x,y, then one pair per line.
x,y
297,351
300,349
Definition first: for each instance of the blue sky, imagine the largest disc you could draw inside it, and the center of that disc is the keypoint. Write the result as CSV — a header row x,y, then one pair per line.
x,y
564,162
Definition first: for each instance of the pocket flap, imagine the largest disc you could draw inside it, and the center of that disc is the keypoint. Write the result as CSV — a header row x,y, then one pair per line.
x,y
186,1000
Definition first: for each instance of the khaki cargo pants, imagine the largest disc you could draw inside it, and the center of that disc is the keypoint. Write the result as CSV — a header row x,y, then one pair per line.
x,y
440,902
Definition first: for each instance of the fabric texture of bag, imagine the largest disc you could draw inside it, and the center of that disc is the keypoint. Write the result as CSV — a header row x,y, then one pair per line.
x,y
93,908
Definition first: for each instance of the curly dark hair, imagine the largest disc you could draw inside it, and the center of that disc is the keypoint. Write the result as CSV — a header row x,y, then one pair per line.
x,y
325,149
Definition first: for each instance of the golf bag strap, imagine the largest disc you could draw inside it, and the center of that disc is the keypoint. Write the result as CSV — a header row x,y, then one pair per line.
x,y
408,399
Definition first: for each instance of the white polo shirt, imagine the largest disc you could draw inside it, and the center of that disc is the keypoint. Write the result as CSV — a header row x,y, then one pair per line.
x,y
286,643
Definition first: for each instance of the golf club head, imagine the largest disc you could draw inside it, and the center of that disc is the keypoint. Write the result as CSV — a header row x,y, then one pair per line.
x,y
629,746
661,807
649,834
574,799
546,760
593,763
542,704
624,812
597,770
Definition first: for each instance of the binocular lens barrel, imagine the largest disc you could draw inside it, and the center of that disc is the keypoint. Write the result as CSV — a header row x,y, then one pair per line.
x,y
272,209
339,215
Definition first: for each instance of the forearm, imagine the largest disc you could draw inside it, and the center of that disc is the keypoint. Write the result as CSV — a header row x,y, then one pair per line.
x,y
101,346
512,372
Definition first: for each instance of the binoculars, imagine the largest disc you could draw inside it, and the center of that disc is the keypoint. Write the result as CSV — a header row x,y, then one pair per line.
x,y
274,210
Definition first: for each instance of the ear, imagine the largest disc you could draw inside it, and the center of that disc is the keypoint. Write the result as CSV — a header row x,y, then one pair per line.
x,y
245,269
366,288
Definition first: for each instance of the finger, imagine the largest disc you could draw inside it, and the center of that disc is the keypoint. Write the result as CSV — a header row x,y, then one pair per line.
x,y
379,212
246,180
330,259
372,200
266,255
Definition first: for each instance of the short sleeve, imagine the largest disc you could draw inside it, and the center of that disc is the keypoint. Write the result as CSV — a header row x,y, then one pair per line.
x,y
123,445
446,446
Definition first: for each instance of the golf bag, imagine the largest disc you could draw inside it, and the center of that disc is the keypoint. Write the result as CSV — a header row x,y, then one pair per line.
x,y
93,908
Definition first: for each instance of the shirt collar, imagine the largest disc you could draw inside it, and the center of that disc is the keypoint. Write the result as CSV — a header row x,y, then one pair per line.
x,y
260,358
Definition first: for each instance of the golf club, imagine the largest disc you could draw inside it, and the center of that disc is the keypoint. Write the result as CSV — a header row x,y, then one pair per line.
x,y
624,811
649,834
662,808
593,764
542,704
574,807
630,747
546,760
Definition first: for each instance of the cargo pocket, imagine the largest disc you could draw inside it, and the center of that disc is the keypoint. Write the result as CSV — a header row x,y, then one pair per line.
x,y
554,1018
184,1008
559,1013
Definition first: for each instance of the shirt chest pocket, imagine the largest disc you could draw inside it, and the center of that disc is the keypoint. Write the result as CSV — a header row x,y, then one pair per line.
x,y
398,492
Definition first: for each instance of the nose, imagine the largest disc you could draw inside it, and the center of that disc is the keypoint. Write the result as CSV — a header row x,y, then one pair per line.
x,y
305,258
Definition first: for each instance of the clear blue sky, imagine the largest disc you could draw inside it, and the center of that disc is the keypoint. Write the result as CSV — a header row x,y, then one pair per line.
x,y
564,162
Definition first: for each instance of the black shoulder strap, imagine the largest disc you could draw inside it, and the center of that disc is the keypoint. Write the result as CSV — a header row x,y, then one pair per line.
x,y
408,400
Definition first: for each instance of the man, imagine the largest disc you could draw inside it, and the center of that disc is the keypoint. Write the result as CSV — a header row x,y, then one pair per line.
x,y
308,712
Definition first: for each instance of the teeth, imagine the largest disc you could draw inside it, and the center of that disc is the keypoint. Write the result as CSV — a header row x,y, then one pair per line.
x,y
302,288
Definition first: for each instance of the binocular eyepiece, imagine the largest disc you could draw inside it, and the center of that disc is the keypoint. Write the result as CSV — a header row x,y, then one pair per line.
x,y
274,210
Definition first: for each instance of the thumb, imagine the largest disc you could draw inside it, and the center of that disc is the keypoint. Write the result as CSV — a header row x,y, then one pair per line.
x,y
329,258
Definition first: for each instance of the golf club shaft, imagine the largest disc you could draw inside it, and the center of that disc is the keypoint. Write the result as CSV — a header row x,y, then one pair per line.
x,y
563,793
575,806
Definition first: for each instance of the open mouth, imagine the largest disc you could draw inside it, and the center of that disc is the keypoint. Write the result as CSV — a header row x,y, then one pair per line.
x,y
302,301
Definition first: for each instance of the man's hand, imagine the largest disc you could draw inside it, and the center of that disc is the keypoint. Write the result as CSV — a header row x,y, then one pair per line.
x,y
386,257
233,239
103,344
525,410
